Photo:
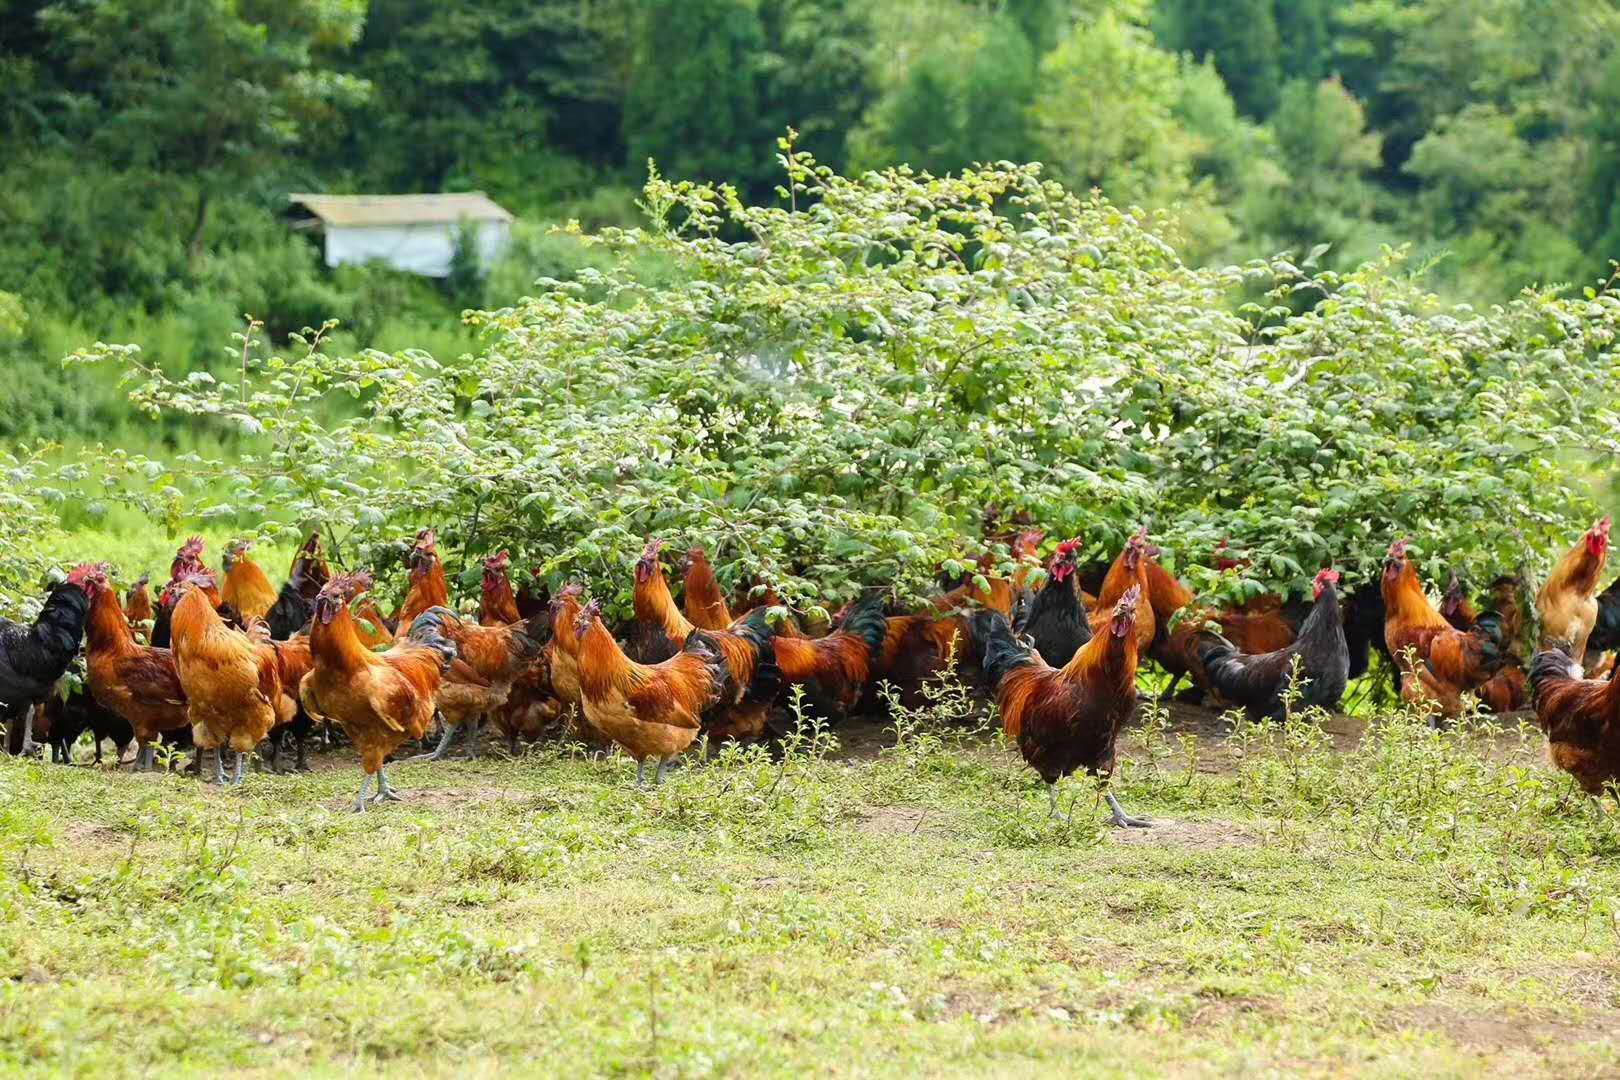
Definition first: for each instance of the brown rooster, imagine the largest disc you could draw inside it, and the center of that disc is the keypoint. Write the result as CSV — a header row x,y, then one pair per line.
x,y
835,670
489,660
381,700
246,587
232,682
1567,604
138,605
1444,662
661,630
651,711
1581,718
136,682
704,603
1067,718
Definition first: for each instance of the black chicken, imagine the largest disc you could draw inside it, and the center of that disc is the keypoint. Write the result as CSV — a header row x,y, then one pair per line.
x,y
33,657
1257,682
1056,621
295,604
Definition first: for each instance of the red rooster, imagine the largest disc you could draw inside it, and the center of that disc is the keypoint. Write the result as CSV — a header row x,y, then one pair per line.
x,y
1581,718
1067,718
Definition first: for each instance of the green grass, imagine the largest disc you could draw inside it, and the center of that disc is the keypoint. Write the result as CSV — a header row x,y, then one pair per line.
x,y
1334,898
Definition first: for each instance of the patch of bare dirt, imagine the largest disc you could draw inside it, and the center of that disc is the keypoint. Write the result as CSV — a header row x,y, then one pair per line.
x,y
84,832
900,821
1497,1029
1199,835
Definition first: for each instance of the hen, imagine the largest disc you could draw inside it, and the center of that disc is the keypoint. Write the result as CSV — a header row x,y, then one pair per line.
x,y
1567,604
1067,718
136,682
1437,663
497,606
34,656
138,606
428,587
650,710
1581,718
381,700
1259,682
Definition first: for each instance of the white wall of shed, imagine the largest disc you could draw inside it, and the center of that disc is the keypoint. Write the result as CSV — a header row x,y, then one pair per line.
x,y
419,249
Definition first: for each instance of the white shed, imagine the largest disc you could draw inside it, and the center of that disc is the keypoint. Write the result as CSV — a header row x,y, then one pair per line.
x,y
409,232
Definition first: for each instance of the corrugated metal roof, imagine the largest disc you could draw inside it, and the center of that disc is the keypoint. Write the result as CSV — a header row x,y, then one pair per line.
x,y
362,210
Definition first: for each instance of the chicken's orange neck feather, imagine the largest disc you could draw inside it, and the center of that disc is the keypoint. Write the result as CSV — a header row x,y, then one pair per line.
x,y
654,604
108,627
1105,653
337,643
1406,602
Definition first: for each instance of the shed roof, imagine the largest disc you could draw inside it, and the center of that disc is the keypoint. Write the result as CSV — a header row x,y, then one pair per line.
x,y
362,210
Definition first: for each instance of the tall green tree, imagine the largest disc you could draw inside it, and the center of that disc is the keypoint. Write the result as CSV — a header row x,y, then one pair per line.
x,y
1240,36
817,75
201,88
484,93
696,95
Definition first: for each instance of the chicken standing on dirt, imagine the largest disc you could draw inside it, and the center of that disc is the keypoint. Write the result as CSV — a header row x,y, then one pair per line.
x,y
1581,718
1259,682
137,682
1437,663
381,700
232,681
1567,604
1067,718
34,656
489,659
651,711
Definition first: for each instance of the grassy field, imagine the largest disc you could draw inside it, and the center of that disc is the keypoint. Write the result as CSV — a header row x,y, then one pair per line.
x,y
1335,897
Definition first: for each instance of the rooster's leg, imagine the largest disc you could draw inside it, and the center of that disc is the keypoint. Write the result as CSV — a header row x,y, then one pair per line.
x,y
360,799
28,743
299,762
641,773
219,764
473,728
658,773
438,751
241,768
385,793
1122,820
1051,798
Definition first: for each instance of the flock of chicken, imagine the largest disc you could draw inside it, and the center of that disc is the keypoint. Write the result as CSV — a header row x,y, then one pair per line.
x,y
233,663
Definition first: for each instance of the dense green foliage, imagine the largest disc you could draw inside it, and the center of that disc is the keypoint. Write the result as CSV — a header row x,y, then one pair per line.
x,y
150,144
833,397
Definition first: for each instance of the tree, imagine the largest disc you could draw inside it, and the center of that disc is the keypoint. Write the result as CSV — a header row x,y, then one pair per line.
x,y
832,396
960,101
1240,36
201,88
483,94
695,99
816,78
